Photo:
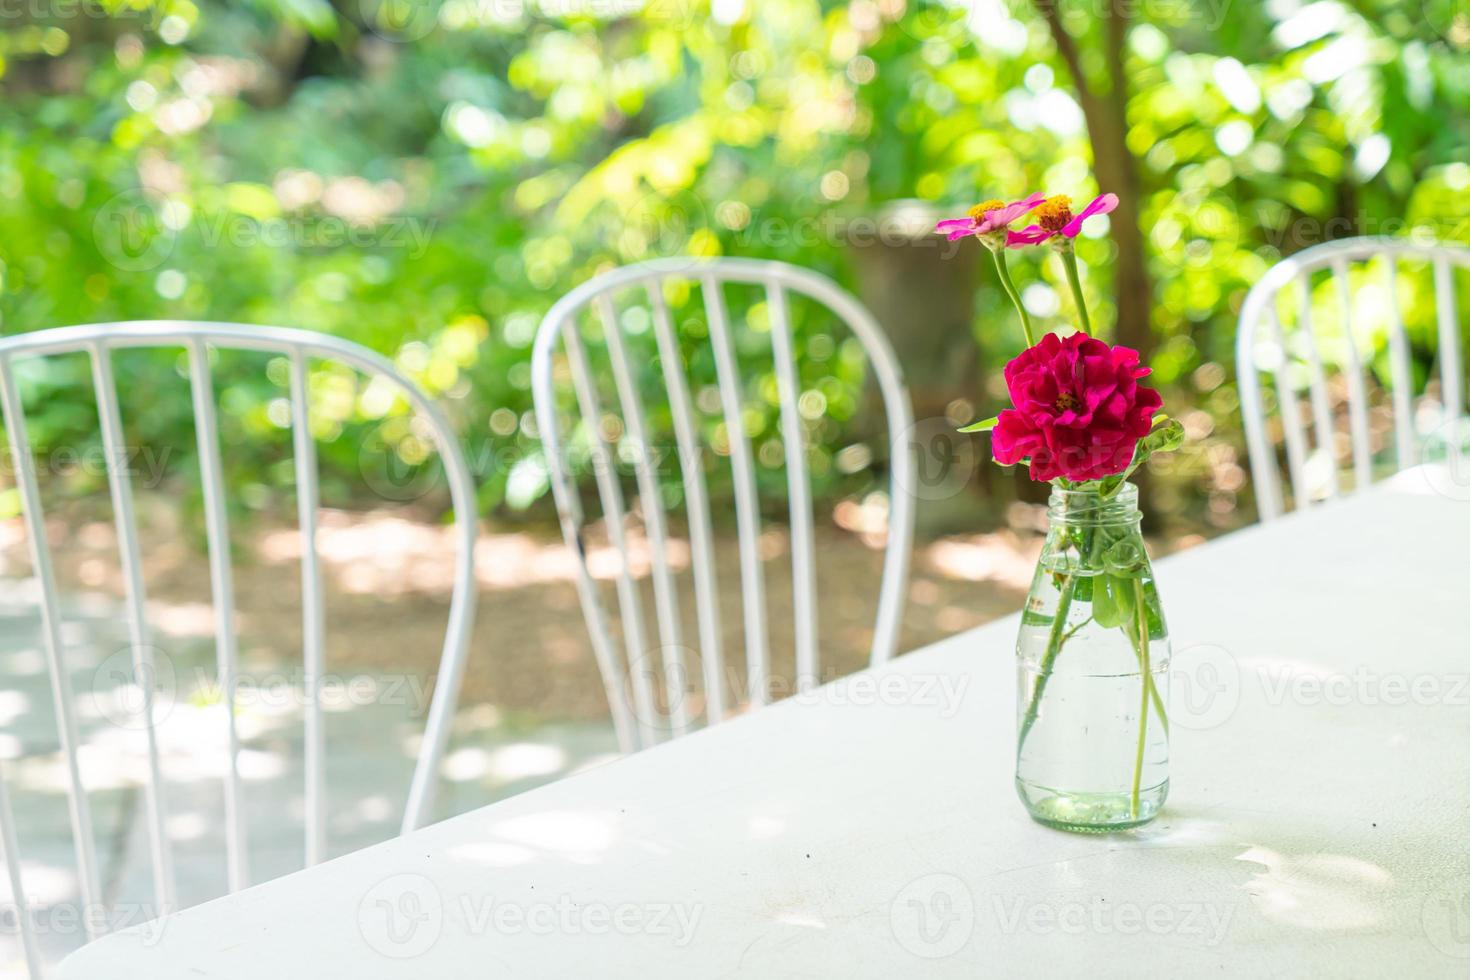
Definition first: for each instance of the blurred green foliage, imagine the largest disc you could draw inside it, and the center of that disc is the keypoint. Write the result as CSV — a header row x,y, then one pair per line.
x,y
428,177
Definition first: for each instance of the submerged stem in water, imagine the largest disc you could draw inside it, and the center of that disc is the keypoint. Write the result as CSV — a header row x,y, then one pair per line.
x,y
1054,643
1148,683
1130,630
1055,640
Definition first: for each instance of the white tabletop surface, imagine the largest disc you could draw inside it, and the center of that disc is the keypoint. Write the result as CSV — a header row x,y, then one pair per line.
x,y
1318,823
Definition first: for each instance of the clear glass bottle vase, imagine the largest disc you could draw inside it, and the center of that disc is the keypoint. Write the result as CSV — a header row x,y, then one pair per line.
x,y
1092,664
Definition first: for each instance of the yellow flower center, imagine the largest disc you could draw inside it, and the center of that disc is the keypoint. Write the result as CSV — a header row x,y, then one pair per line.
x,y
1053,213
1066,402
979,210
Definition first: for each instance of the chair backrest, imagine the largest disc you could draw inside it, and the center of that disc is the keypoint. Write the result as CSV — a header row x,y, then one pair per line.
x,y
644,287
299,346
1299,353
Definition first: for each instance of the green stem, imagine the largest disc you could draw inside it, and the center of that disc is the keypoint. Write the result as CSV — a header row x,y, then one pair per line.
x,y
1130,629
1048,660
1069,263
1148,679
1075,630
1055,640
999,254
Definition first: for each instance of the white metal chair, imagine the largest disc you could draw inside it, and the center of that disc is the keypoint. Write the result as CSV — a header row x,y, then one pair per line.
x,y
98,341
633,674
1263,345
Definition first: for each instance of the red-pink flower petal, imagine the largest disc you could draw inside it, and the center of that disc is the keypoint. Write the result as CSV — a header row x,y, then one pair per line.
x,y
1078,409
1101,204
1014,438
956,227
1001,217
1032,235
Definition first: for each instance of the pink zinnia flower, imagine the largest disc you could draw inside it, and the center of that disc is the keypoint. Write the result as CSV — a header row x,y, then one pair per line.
x,y
1079,410
1054,217
987,217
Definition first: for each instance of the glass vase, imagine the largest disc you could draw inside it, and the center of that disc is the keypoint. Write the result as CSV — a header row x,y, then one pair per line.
x,y
1092,665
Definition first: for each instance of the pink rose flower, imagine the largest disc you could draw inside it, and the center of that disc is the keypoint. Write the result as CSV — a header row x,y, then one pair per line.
x,y
1079,410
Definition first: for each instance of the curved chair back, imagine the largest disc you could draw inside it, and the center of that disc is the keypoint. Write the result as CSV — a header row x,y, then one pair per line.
x,y
298,346
635,673
1289,356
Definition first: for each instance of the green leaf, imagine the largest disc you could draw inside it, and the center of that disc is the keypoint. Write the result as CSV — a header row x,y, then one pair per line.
x,y
1164,438
1104,604
985,425
1125,558
1122,593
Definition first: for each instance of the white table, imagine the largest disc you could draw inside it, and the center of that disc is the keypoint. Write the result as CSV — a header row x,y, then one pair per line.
x,y
1319,822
